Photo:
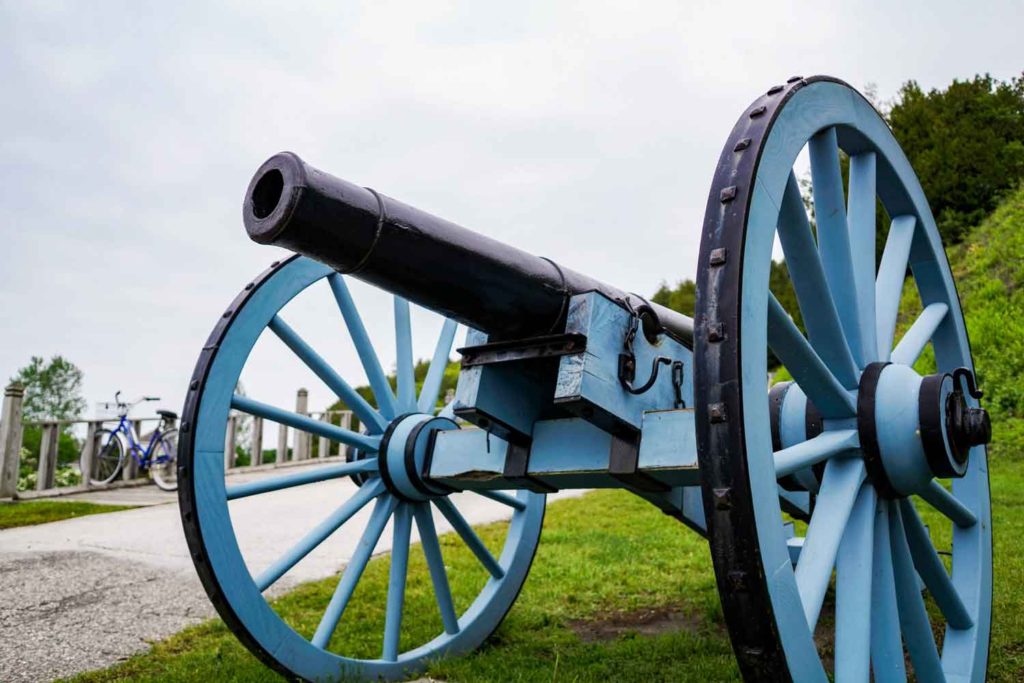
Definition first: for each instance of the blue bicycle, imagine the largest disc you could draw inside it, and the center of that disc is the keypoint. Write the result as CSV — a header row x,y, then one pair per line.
x,y
158,456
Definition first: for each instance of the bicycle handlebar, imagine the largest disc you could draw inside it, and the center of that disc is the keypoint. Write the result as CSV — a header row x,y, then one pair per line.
x,y
128,404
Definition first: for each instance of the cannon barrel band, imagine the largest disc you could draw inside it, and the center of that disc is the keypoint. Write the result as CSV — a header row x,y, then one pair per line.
x,y
474,279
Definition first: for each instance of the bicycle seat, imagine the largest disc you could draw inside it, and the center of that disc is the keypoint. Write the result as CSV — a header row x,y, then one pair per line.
x,y
167,414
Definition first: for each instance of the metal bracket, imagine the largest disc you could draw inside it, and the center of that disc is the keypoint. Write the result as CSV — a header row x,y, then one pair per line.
x,y
546,346
623,463
517,466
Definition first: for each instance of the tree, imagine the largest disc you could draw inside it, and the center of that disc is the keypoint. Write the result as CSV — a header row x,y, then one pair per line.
x,y
682,298
53,391
966,144
448,381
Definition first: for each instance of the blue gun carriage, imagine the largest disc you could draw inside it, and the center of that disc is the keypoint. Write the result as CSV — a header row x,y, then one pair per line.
x,y
569,383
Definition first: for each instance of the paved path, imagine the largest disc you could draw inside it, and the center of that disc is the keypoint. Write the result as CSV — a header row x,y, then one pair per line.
x,y
87,592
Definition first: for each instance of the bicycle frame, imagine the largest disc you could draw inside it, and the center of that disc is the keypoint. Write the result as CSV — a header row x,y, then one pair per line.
x,y
141,455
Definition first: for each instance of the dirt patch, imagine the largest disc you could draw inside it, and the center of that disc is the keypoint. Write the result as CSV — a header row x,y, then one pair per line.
x,y
645,622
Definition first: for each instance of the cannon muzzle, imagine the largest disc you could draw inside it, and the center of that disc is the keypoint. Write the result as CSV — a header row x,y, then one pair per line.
x,y
464,275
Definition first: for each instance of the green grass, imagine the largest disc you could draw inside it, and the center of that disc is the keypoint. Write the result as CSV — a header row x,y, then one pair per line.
x,y
606,553
603,556
28,512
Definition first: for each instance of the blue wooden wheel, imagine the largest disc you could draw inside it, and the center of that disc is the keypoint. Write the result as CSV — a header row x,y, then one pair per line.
x,y
874,476
393,448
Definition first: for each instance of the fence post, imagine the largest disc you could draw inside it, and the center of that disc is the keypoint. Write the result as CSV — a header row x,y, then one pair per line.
x,y
45,475
131,468
89,452
282,445
303,440
10,439
323,447
256,444
345,422
229,443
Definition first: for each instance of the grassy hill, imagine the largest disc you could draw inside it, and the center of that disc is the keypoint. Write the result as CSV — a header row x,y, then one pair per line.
x,y
988,267
989,271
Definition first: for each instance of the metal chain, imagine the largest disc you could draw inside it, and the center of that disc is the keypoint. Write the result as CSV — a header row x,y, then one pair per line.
x,y
627,362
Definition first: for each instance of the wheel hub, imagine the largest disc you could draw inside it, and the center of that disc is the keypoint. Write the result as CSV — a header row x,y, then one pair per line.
x,y
403,456
915,428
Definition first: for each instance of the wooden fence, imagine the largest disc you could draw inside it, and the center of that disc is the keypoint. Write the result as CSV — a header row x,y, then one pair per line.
x,y
241,430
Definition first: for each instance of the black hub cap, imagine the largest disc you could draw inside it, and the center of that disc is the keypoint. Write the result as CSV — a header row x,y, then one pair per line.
x,y
949,426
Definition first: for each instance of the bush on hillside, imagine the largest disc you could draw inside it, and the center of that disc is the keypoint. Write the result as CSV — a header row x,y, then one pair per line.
x,y
966,144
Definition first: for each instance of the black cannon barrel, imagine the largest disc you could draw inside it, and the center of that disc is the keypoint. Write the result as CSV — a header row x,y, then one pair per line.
x,y
462,274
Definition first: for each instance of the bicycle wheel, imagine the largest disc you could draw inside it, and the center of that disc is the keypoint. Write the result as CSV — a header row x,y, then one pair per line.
x,y
163,464
107,460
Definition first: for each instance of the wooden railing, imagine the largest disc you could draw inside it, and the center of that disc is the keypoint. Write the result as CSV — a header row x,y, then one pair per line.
x,y
303,447
12,430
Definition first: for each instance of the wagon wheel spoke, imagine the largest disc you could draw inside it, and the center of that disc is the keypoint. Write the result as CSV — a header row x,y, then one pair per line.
x,y
853,584
403,348
811,452
839,487
932,571
435,563
319,534
886,642
370,505
396,581
503,498
889,283
948,504
364,348
807,368
354,570
365,443
861,219
833,232
920,333
917,630
469,537
251,488
373,420
807,274
438,364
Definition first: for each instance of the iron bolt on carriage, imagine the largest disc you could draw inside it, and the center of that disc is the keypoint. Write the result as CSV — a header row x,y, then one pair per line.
x,y
572,384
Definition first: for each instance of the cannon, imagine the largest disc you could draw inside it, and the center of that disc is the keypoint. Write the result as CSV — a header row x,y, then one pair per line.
x,y
860,482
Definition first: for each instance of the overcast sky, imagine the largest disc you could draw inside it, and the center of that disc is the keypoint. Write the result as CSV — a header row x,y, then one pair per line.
x,y
587,132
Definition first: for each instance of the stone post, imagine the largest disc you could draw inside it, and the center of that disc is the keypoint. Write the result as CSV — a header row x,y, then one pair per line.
x,y
10,439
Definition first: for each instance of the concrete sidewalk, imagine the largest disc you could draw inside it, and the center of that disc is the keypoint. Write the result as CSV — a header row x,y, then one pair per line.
x,y
84,593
